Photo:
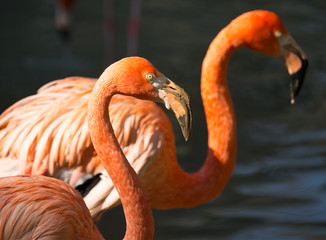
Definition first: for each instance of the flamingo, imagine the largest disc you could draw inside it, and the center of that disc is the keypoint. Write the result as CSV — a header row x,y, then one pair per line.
x,y
62,18
40,207
166,184
62,22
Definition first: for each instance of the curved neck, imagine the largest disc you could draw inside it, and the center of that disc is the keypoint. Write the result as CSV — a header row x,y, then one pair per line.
x,y
139,219
211,179
220,117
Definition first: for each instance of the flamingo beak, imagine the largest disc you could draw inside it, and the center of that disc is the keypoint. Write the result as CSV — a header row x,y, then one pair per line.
x,y
175,98
296,63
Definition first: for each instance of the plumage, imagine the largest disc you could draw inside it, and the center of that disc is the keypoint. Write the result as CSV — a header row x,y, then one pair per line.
x,y
165,183
39,207
64,135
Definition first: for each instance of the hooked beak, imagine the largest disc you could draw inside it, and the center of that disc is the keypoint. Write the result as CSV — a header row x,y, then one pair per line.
x,y
296,63
175,98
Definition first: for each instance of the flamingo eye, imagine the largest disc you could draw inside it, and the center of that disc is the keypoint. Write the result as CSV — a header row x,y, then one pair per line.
x,y
150,76
278,34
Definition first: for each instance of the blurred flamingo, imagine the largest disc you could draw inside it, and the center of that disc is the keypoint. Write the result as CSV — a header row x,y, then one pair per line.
x,y
39,207
62,18
63,21
165,183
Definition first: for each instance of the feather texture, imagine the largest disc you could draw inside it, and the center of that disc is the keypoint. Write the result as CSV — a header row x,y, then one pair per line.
x,y
50,209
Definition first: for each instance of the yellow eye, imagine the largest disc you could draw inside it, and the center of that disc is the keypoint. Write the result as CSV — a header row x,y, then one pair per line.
x,y
149,76
278,34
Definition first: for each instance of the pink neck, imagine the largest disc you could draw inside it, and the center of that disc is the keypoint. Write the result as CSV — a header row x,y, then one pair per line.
x,y
139,219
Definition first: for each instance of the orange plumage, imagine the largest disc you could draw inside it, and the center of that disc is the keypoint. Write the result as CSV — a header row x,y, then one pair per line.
x,y
38,207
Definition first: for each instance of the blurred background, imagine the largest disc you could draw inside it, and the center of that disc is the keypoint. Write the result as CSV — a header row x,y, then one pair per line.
x,y
278,189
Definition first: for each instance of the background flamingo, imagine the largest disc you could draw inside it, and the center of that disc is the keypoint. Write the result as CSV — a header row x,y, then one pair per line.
x,y
166,184
280,146
63,18
63,26
43,208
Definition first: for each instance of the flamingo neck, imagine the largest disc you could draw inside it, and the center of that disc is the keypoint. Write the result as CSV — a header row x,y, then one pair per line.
x,y
139,219
220,117
211,179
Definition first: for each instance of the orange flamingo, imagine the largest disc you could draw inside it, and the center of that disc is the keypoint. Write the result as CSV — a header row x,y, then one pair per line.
x,y
165,183
39,207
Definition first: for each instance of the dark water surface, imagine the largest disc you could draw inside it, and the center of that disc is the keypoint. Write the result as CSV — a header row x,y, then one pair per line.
x,y
278,189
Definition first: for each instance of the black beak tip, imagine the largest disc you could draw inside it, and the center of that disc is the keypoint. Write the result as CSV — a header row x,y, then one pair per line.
x,y
185,122
297,79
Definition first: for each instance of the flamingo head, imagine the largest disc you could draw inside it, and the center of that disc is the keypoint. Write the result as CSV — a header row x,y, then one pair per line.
x,y
264,32
142,80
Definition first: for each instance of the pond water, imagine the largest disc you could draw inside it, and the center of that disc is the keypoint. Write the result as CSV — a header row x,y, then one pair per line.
x,y
278,188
